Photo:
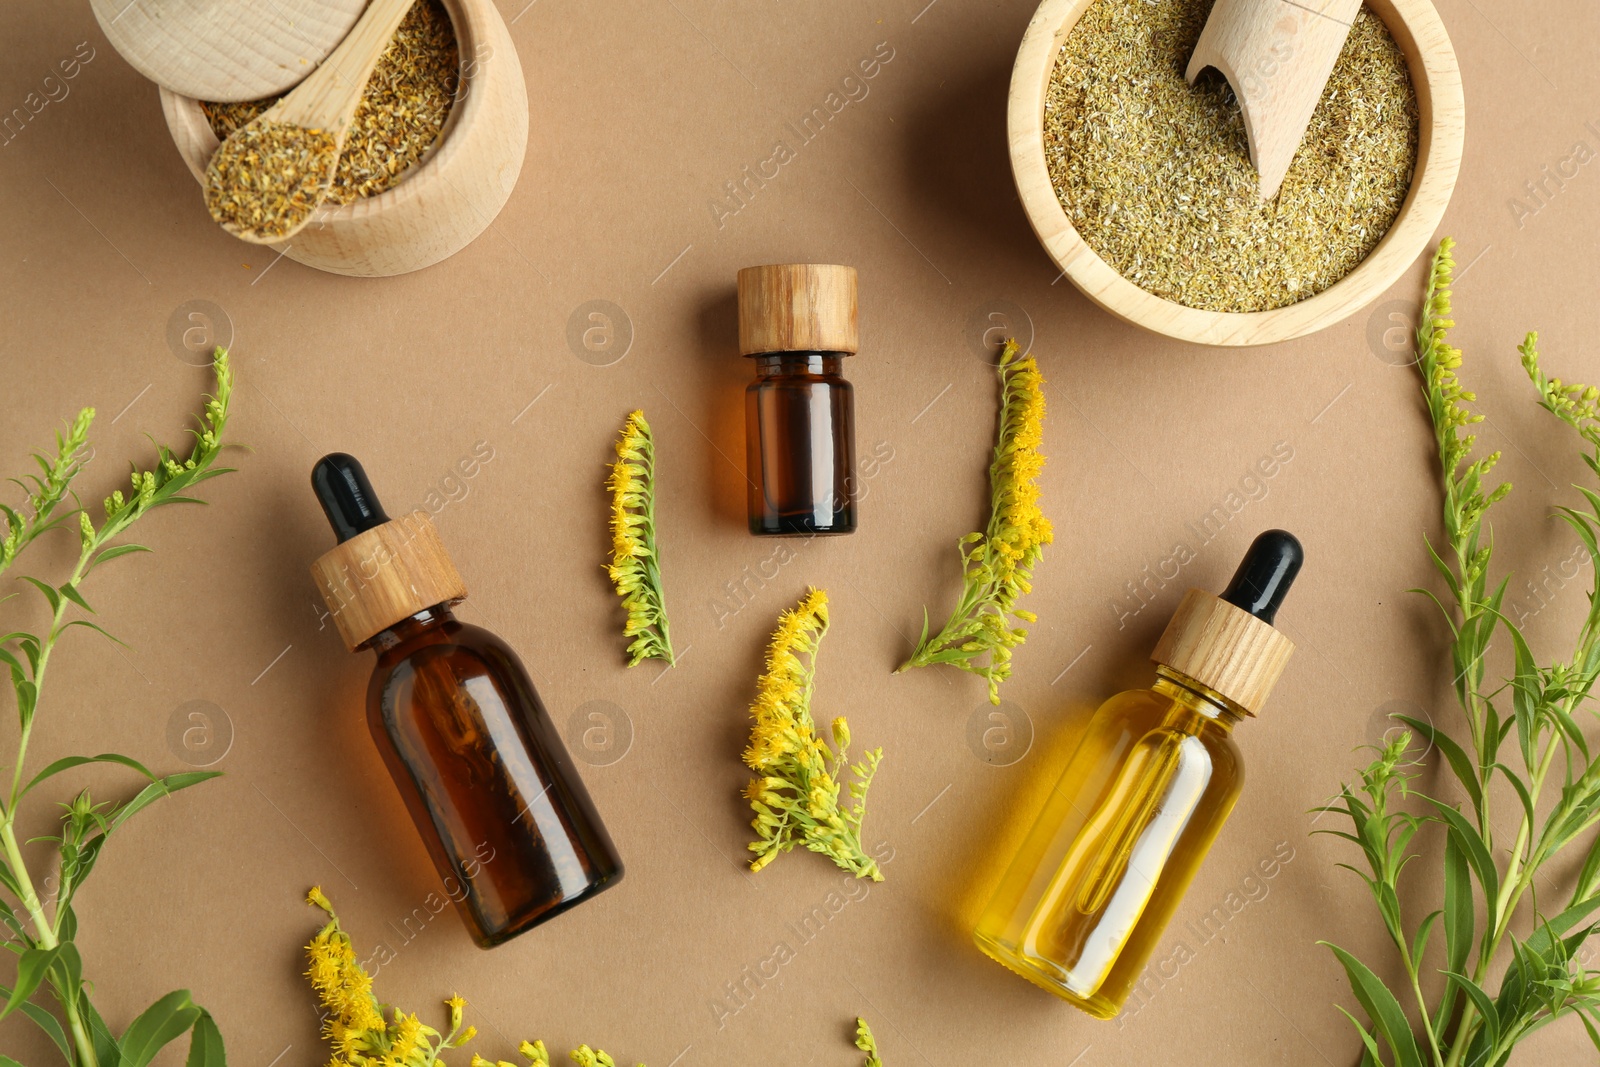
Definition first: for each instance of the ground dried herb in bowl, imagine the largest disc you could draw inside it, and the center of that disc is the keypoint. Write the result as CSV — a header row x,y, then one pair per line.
x,y
401,113
1155,174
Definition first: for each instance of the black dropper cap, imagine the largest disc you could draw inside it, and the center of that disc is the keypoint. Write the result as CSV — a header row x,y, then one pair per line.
x,y
1265,574
345,495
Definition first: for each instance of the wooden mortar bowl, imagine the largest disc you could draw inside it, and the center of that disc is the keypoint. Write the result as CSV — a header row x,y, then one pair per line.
x,y
1436,79
447,198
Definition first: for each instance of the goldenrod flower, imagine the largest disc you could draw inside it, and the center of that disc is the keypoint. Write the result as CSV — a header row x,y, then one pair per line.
x,y
635,566
998,563
796,797
355,1026
867,1043
1465,499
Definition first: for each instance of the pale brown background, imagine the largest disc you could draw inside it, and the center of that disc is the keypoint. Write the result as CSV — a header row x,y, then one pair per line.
x,y
641,111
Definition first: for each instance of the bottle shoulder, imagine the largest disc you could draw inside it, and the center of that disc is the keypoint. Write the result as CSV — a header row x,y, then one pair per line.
x,y
469,650
1139,711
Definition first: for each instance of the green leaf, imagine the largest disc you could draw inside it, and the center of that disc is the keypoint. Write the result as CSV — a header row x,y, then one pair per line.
x,y
156,1027
32,966
46,1022
1419,943
68,968
1477,855
1459,920
10,660
1382,1007
1521,791
97,628
9,917
27,699
1541,939
1589,876
68,762
1370,1055
106,1052
47,589
1480,1000
155,791
1594,1035
70,591
1526,696
205,1047
7,1061
112,553
1454,754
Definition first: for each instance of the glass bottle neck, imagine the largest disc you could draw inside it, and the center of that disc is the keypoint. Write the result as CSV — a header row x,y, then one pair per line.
x,y
1208,703
778,364
410,627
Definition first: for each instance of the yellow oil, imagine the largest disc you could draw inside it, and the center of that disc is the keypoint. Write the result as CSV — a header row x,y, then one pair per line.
x,y
1086,899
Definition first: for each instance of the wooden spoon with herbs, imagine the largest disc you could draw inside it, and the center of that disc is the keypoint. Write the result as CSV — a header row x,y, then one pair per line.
x,y
264,182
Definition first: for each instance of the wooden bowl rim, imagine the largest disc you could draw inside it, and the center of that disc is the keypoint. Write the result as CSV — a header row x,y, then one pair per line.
x,y
1420,33
468,19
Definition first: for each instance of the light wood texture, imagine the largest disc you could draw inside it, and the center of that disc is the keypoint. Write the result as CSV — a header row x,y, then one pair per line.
x,y
1437,78
1224,648
327,99
386,574
1277,56
442,203
225,49
797,307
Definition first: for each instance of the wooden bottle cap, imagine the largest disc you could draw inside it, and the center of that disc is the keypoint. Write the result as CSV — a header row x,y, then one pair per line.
x,y
797,307
386,574
1224,648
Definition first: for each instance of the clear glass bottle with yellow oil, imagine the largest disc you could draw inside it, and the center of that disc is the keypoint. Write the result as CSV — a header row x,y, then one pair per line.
x,y
1086,899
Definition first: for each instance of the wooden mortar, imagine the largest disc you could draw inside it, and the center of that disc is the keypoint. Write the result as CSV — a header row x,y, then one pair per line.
x,y
443,202
1435,77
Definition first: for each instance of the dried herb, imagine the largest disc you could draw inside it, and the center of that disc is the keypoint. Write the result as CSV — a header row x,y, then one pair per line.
x,y
43,934
635,566
997,567
1517,753
268,178
402,110
796,798
1156,174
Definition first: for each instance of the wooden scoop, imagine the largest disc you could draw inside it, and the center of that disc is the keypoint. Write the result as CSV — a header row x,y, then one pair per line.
x,y
253,164
1277,55
225,49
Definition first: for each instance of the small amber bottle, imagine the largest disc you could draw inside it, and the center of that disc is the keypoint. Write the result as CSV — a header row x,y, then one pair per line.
x,y
798,322
1088,895
488,782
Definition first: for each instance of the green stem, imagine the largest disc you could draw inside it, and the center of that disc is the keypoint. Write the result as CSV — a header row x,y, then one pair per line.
x,y
45,648
46,937
1518,878
46,929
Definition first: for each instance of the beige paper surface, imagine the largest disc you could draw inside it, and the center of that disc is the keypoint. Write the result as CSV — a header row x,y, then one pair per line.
x,y
642,113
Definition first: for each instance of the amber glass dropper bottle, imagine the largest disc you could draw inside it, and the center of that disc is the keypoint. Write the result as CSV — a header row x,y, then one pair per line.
x,y
488,782
797,322
1087,897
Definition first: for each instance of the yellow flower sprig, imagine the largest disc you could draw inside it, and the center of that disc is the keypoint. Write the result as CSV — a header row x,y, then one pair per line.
x,y
635,566
1448,406
357,1026
796,794
998,565
538,1056
1576,405
867,1043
